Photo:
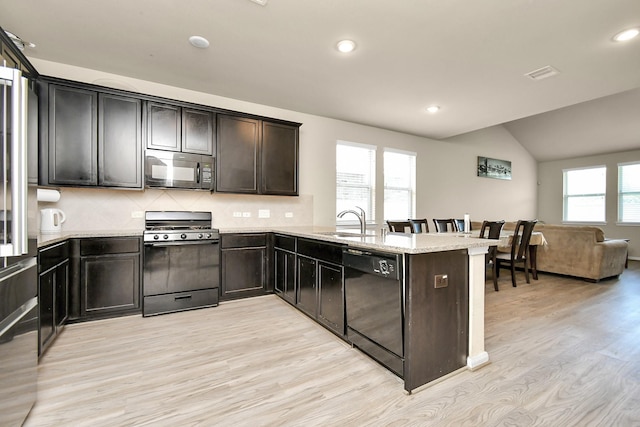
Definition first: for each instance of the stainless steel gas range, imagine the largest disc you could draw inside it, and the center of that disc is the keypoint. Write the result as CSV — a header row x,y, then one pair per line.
x,y
181,262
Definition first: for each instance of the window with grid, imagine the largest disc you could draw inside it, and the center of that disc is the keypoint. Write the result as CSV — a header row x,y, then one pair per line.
x,y
355,179
629,193
584,194
399,184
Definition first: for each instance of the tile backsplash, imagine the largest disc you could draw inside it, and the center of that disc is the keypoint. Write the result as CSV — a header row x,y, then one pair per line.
x,y
101,209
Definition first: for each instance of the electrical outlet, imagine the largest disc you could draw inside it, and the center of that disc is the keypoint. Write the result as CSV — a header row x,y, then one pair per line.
x,y
237,214
137,214
264,213
246,214
441,281
288,214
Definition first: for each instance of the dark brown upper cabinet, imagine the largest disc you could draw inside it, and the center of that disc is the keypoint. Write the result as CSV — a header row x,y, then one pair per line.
x,y
119,141
237,154
89,138
279,159
174,128
256,156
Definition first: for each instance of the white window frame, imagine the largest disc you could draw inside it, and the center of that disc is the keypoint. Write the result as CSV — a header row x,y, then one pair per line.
x,y
411,190
566,197
371,208
622,193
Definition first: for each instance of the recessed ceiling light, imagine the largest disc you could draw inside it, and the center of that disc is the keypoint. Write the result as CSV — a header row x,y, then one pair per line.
x,y
433,108
626,35
346,46
199,42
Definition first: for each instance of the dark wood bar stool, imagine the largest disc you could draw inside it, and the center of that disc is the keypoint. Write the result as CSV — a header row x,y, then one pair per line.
x,y
492,230
520,251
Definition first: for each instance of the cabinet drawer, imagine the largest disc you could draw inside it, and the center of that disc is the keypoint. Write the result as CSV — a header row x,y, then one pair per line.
x,y
112,245
168,303
53,255
320,250
242,240
285,242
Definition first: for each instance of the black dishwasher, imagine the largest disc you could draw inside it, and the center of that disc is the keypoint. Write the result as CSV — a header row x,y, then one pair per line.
x,y
373,293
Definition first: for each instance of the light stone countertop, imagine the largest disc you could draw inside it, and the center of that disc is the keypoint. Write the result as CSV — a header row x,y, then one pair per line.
x,y
391,242
52,238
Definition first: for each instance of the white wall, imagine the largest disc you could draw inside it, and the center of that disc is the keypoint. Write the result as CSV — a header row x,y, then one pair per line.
x,y
550,193
446,170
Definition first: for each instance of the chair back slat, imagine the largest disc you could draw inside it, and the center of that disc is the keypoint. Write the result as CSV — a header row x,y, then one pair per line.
x,y
459,225
494,228
419,225
444,225
521,239
399,226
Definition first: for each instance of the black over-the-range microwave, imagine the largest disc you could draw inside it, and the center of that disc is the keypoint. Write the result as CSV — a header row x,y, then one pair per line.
x,y
167,169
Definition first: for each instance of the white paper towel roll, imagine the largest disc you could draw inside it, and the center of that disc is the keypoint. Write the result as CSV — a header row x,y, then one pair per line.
x,y
45,195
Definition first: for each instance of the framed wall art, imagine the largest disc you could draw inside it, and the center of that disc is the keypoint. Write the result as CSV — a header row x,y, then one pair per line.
x,y
494,168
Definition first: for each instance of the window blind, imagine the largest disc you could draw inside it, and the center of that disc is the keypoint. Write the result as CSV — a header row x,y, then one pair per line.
x,y
629,193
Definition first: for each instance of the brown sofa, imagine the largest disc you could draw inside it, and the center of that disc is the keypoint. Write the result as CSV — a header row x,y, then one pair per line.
x,y
580,251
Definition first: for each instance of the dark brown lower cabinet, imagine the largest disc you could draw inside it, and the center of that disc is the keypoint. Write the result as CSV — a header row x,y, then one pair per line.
x,y
243,265
53,288
285,267
109,278
320,279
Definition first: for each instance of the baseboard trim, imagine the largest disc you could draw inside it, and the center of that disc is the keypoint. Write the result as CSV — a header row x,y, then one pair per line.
x,y
477,361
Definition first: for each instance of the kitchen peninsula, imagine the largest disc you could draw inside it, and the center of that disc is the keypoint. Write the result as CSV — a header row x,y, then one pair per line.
x,y
441,301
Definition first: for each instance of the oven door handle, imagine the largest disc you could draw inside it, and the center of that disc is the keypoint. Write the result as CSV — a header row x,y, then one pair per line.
x,y
181,243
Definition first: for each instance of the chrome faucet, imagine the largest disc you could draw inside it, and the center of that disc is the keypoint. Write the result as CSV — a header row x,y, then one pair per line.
x,y
361,217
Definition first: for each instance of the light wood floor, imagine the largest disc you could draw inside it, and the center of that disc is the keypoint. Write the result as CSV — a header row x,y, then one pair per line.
x,y
564,353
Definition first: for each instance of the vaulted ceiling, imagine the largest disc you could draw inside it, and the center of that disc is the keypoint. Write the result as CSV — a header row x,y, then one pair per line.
x,y
469,57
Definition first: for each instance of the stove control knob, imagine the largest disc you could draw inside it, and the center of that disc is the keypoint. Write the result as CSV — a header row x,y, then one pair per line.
x,y
156,237
183,236
165,237
208,235
199,235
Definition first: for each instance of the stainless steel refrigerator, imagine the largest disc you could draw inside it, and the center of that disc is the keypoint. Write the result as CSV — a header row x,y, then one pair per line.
x,y
18,248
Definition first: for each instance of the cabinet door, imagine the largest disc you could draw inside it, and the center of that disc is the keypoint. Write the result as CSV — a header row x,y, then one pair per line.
x,y
197,131
279,159
61,293
243,272
72,136
119,141
331,296
285,275
307,295
163,127
237,151
46,304
109,284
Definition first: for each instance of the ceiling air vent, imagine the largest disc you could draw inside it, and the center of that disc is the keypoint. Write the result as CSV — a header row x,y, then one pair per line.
x,y
542,73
